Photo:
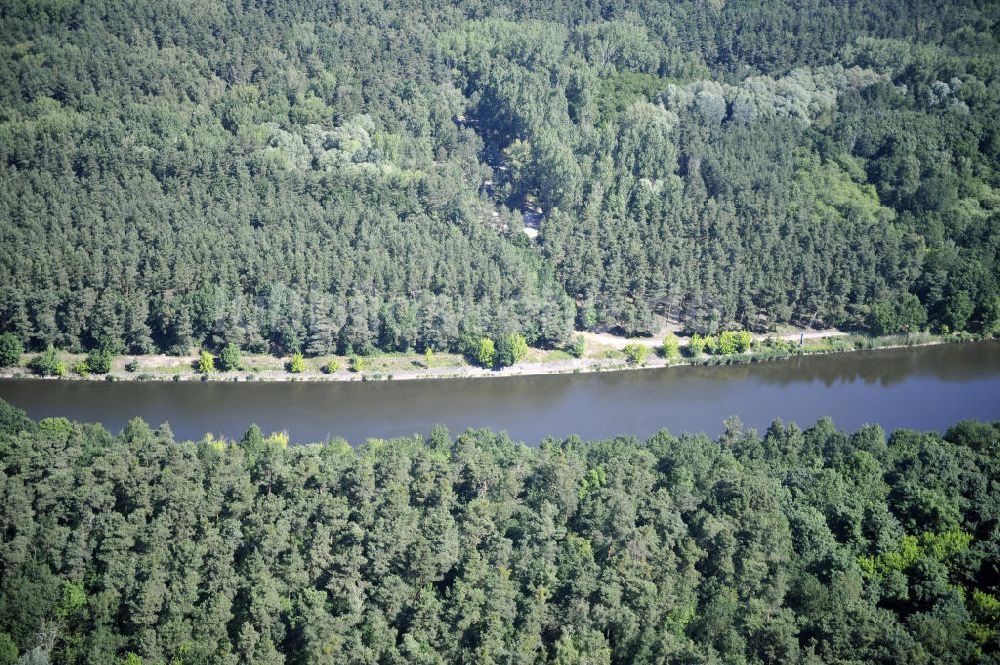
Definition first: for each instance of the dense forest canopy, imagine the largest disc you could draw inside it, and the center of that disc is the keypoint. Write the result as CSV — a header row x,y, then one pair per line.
x,y
800,546
350,176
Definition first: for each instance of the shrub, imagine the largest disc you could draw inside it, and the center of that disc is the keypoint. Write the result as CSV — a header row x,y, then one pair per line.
x,y
577,346
80,367
132,365
635,354
777,345
47,363
297,363
357,364
99,361
331,367
11,350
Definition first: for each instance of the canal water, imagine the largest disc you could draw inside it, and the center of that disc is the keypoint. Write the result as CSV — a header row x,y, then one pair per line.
x,y
922,388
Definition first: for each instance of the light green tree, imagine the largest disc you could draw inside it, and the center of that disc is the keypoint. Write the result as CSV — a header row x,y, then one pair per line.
x,y
8,650
73,599
712,344
743,341
297,364
696,345
635,354
670,349
727,343
486,352
206,363
520,346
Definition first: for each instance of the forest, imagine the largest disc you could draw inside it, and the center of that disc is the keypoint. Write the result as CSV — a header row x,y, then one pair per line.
x,y
801,546
347,177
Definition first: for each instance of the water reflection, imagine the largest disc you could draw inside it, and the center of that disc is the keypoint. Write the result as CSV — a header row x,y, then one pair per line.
x,y
885,367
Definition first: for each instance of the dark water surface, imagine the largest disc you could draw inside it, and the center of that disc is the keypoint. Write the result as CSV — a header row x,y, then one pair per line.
x,y
924,388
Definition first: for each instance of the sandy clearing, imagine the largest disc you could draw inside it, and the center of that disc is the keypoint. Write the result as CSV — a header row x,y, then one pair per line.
x,y
619,342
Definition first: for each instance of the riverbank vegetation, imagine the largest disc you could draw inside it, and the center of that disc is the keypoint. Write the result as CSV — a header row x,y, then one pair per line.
x,y
795,546
345,178
485,359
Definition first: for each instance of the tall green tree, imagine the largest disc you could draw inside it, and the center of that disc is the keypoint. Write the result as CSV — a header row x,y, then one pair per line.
x,y
11,350
230,359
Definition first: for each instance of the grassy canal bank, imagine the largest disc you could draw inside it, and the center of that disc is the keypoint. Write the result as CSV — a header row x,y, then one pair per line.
x,y
594,355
